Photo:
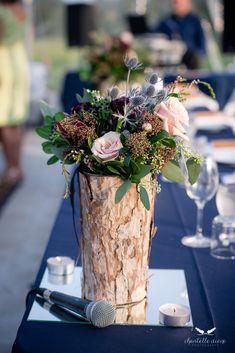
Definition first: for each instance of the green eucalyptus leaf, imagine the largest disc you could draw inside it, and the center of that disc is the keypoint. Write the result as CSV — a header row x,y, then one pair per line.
x,y
122,190
79,98
47,109
134,179
52,160
135,168
193,170
169,142
160,136
58,152
60,141
59,116
144,170
113,170
47,147
48,120
127,160
44,131
173,94
144,197
172,171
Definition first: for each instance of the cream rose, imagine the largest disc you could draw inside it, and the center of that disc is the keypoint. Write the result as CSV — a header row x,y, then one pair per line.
x,y
174,116
107,147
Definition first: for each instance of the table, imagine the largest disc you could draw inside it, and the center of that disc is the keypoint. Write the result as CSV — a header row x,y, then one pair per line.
x,y
210,282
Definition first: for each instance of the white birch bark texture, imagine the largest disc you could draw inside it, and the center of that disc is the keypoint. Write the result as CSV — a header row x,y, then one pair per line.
x,y
115,244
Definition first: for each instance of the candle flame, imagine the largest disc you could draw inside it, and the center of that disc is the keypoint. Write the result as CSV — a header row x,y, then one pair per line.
x,y
58,258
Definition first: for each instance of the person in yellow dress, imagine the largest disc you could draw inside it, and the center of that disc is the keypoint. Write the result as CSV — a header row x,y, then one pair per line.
x,y
13,87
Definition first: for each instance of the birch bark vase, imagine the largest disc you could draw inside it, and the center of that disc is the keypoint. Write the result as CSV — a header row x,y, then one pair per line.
x,y
115,245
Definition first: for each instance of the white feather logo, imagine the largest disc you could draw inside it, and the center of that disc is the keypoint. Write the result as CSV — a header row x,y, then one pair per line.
x,y
201,332
208,332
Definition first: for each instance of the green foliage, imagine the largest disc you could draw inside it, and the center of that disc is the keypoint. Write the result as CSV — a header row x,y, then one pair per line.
x,y
122,190
193,170
52,160
115,122
143,171
44,132
144,197
172,171
47,147
168,142
160,136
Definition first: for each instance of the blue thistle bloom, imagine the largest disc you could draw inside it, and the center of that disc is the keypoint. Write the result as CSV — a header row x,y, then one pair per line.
x,y
132,63
149,90
153,79
113,93
137,101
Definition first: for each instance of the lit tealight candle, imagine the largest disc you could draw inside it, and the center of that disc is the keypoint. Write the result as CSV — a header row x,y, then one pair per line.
x,y
60,265
174,315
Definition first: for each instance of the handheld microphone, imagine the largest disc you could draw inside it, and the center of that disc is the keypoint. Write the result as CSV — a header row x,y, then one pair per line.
x,y
59,312
100,313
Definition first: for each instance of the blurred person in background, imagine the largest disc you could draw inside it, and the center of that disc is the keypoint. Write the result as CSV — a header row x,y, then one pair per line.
x,y
183,25
13,88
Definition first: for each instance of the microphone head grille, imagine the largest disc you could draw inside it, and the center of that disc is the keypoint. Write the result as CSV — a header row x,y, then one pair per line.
x,y
101,313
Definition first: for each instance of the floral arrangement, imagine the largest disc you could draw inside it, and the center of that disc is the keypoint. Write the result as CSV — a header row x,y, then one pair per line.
x,y
104,58
127,134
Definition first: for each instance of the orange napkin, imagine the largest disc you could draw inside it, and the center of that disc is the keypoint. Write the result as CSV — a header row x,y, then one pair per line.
x,y
223,143
207,114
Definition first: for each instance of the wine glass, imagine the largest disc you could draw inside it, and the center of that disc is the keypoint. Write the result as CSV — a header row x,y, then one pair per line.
x,y
202,191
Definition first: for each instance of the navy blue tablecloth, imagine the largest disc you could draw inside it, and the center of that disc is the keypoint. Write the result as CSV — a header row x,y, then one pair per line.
x,y
211,288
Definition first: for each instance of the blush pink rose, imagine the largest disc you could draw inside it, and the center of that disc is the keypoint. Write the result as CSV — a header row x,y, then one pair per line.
x,y
108,146
174,116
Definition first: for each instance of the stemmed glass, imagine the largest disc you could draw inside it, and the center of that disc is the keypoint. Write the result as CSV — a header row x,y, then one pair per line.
x,y
202,191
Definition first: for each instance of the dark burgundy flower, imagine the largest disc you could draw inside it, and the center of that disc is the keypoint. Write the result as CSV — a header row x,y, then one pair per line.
x,y
117,105
61,129
81,106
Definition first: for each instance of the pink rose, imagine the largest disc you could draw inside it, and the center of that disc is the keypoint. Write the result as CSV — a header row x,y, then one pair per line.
x,y
107,147
174,116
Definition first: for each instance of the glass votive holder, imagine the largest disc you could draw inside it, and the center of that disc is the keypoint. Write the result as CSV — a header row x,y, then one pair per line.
x,y
223,238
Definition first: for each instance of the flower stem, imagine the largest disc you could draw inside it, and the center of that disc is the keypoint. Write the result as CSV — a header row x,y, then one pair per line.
x,y
127,81
200,207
